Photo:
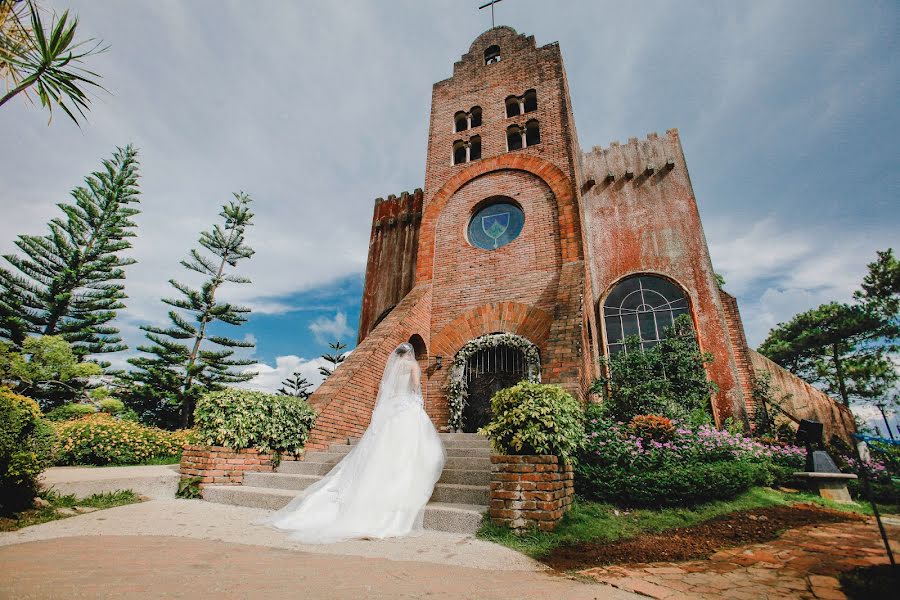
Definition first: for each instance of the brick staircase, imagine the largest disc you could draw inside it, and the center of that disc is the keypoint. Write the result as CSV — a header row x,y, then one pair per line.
x,y
457,505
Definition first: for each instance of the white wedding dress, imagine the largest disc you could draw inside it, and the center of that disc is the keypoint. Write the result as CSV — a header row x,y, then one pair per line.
x,y
380,488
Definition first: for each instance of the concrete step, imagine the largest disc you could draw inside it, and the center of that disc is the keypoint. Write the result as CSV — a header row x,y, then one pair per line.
x,y
302,467
468,463
462,439
439,516
456,493
463,476
324,457
281,481
450,445
333,457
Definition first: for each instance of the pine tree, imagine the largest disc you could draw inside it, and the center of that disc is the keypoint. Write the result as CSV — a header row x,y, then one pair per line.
x,y
335,358
68,282
182,365
296,385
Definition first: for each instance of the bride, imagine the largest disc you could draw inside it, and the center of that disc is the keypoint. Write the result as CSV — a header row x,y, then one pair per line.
x,y
381,487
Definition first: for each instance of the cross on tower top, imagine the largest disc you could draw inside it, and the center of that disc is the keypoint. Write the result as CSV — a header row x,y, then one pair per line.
x,y
491,4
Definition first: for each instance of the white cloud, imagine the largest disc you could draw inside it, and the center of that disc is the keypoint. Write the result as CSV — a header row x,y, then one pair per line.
x,y
269,378
328,330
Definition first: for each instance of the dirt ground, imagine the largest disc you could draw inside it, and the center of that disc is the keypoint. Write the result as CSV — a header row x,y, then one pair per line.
x,y
698,541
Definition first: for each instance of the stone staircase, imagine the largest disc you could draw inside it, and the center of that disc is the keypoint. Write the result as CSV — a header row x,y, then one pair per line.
x,y
459,501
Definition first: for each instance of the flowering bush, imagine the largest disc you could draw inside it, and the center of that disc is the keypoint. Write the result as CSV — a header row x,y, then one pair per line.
x,y
99,439
652,427
617,465
26,444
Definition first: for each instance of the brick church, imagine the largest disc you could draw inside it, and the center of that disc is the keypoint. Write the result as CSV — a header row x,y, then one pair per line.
x,y
524,257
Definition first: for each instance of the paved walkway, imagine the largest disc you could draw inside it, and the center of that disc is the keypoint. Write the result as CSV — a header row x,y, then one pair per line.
x,y
800,565
194,549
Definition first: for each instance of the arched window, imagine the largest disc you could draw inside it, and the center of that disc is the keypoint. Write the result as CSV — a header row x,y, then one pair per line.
x,y
532,133
461,121
512,107
418,345
475,147
459,152
513,137
530,101
492,55
642,306
475,116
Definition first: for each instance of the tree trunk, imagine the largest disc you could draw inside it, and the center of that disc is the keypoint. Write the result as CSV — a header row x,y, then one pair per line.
x,y
839,373
886,423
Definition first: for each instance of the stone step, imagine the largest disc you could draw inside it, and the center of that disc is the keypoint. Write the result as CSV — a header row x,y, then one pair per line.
x,y
480,443
468,463
461,439
281,481
479,477
332,457
439,516
456,493
301,467
443,492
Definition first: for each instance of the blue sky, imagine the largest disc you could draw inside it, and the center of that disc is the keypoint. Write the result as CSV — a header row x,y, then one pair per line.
x,y
787,112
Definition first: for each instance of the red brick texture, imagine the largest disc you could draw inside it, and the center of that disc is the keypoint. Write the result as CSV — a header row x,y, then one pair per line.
x,y
741,350
344,402
803,401
391,268
222,466
641,217
530,492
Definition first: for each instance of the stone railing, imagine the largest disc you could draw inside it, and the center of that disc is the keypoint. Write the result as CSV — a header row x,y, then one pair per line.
x,y
529,492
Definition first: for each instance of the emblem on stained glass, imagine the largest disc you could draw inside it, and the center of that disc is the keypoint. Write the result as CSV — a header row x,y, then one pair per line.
x,y
495,225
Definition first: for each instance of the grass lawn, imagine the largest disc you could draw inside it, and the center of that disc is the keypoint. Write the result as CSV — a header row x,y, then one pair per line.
x,y
35,516
156,460
595,522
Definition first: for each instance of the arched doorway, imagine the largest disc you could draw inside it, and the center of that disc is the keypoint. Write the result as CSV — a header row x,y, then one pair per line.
x,y
483,367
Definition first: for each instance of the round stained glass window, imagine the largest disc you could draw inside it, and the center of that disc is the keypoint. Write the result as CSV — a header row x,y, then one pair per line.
x,y
496,225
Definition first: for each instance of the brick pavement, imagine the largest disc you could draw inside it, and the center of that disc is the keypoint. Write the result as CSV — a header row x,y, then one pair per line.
x,y
801,564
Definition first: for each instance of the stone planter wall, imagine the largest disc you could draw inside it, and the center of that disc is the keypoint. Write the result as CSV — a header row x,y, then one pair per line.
x,y
530,491
223,466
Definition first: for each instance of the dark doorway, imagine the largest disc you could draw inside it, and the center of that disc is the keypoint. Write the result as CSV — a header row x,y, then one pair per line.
x,y
487,372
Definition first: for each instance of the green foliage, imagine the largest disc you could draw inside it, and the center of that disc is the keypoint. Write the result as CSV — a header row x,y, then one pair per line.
x,y
26,447
668,380
100,439
531,418
848,350
296,385
111,406
189,488
46,369
690,465
69,282
241,419
333,358
28,517
45,60
68,412
186,360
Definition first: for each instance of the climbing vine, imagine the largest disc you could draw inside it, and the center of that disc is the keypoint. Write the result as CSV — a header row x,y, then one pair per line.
x,y
457,389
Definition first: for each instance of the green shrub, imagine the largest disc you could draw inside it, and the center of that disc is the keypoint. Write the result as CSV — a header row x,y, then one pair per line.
x,y
240,419
668,379
111,406
26,449
676,485
67,412
616,465
99,439
531,418
189,488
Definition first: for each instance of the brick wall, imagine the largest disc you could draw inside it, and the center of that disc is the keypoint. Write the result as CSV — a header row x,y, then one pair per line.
x,y
649,223
222,466
391,267
530,492
803,401
741,351
344,402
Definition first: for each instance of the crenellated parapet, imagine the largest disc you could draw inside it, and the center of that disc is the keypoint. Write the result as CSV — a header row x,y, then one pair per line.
x,y
391,268
636,162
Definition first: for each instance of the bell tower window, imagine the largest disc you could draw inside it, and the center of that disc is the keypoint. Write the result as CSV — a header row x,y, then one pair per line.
x,y
513,109
529,101
475,116
465,151
532,133
514,137
492,55
459,152
461,121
